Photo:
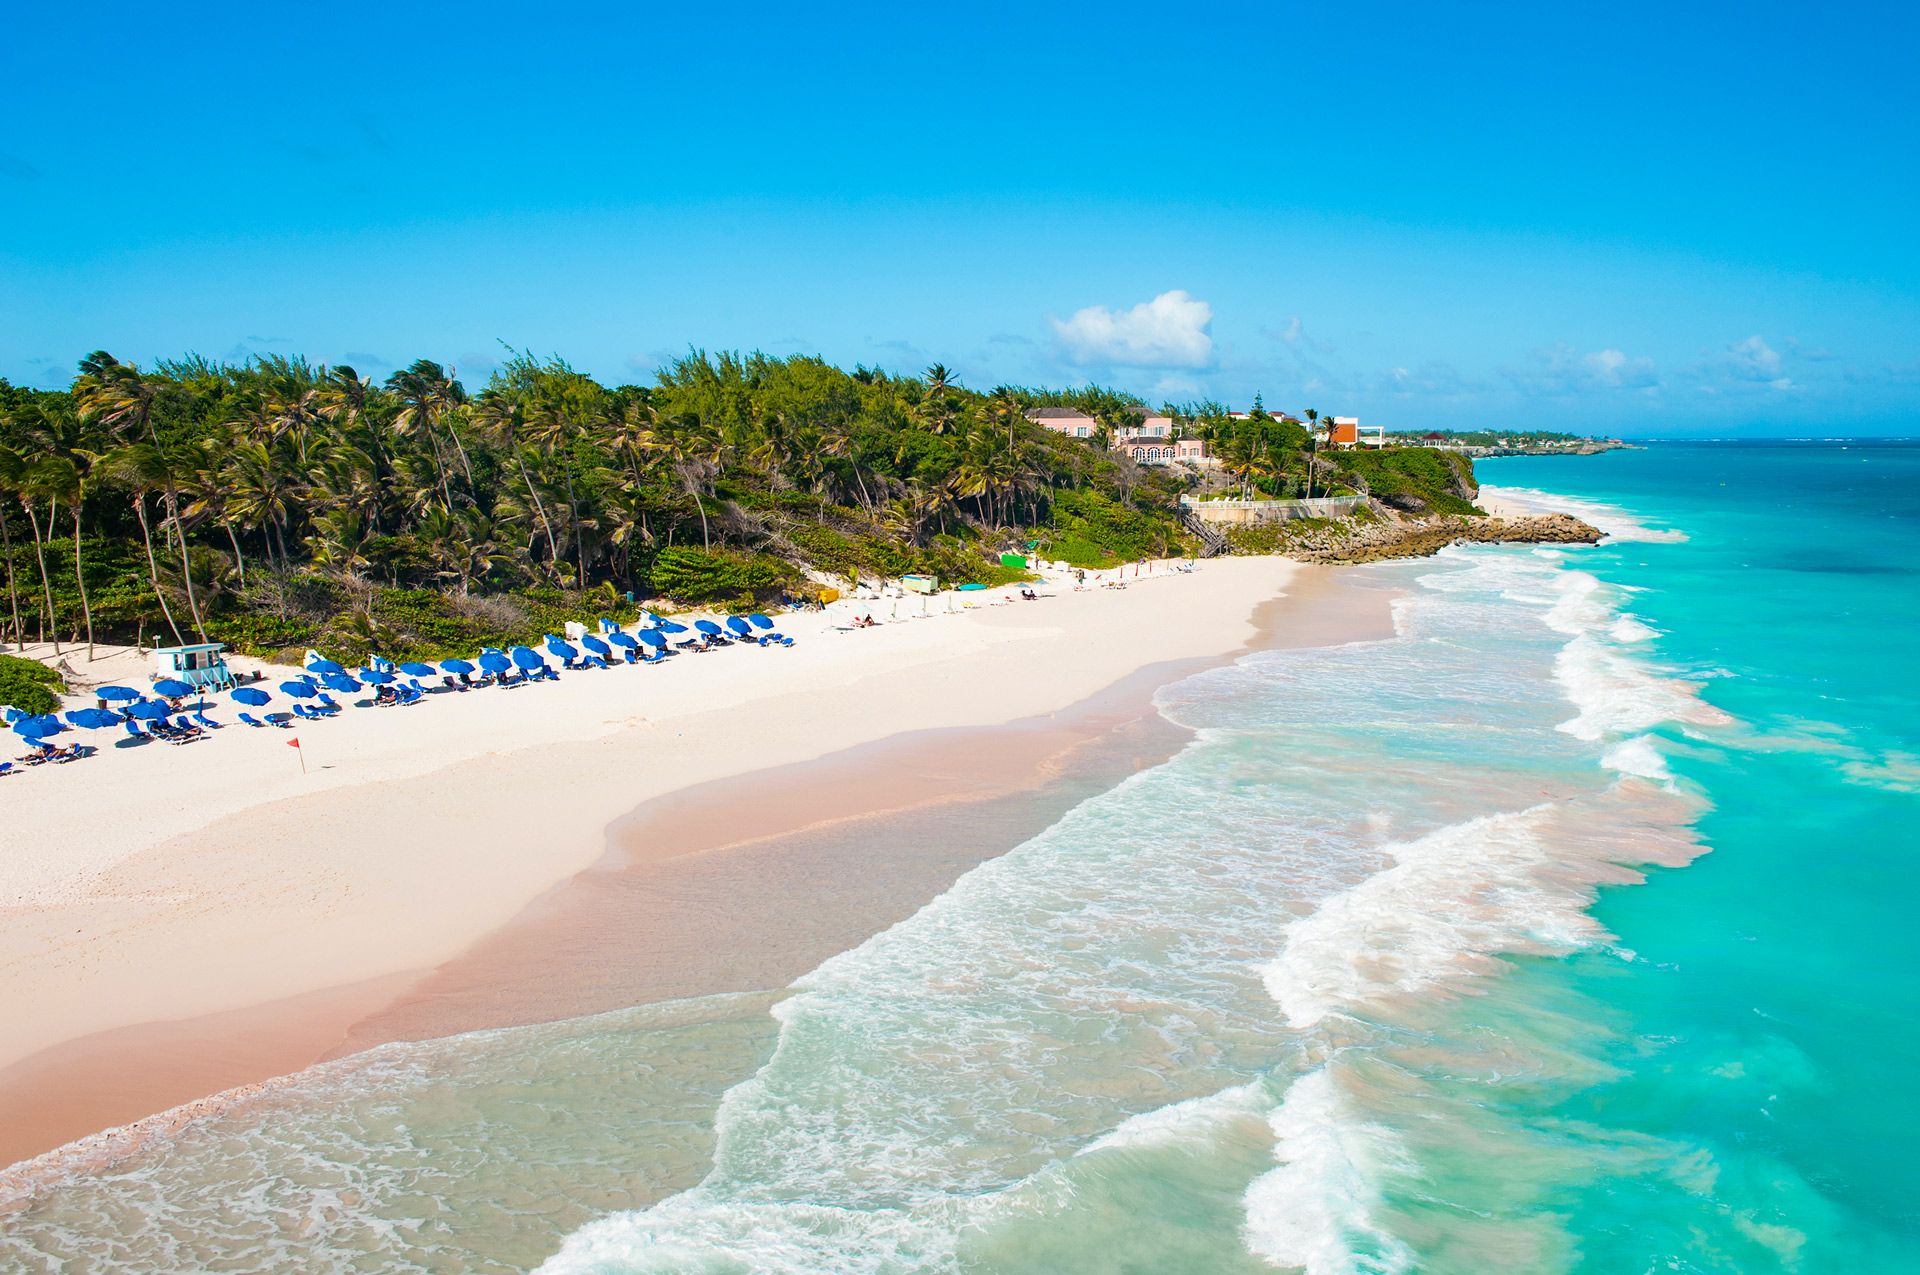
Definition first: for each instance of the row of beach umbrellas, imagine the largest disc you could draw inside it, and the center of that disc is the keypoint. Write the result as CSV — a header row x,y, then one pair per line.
x,y
36,729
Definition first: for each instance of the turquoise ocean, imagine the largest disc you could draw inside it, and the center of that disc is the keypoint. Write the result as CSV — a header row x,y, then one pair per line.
x,y
1571,929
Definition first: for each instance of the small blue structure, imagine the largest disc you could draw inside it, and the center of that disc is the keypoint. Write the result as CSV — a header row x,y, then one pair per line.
x,y
202,664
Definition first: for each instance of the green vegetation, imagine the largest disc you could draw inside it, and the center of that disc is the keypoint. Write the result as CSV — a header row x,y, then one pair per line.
x,y
1415,479
1269,456
279,504
29,685
1507,437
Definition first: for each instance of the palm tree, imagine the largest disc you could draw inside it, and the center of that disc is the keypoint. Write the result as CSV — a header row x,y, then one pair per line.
x,y
552,429
261,495
502,414
141,469
10,466
697,454
123,401
62,479
428,394
937,412
1313,446
34,484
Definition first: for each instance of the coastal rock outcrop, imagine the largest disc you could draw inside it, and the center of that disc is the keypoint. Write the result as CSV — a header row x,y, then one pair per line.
x,y
1384,536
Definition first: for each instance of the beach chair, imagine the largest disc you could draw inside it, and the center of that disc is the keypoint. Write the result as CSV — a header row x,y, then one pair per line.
x,y
304,713
132,728
7,768
252,721
328,703
184,728
201,719
283,721
409,694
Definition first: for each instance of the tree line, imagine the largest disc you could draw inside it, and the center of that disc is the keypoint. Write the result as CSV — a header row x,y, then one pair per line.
x,y
188,490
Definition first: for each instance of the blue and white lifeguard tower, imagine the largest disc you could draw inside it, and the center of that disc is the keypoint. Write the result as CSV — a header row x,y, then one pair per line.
x,y
201,664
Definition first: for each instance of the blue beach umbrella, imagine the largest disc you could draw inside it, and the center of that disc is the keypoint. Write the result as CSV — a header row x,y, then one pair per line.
x,y
39,724
323,667
623,639
760,621
31,734
117,693
739,625
341,682
414,668
672,626
596,645
93,718
299,690
707,627
250,695
526,658
561,648
376,677
653,637
149,710
456,666
494,662
171,686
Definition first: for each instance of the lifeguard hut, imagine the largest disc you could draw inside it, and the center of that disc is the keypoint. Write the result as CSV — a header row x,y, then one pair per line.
x,y
201,664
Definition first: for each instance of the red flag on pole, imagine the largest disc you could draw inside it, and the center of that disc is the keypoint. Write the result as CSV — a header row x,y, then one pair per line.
x,y
294,744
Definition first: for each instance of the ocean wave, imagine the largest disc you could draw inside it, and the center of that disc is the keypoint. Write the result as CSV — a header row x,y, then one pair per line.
x,y
1617,694
1316,1211
1618,523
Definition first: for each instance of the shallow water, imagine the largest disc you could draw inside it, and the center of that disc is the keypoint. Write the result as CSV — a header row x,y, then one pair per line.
x,y
1411,960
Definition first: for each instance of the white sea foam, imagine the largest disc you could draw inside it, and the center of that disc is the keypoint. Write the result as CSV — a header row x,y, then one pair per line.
x,y
1631,629
1619,695
1315,1212
1640,756
1451,901
1617,523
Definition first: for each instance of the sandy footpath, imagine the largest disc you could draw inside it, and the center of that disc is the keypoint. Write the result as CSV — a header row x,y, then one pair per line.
x,y
158,883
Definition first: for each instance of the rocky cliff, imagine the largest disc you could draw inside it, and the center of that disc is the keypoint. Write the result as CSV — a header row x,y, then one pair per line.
x,y
1385,535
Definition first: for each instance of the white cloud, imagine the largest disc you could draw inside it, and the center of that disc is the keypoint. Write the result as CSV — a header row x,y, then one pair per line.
x,y
1754,360
1561,369
1292,333
1615,368
1169,331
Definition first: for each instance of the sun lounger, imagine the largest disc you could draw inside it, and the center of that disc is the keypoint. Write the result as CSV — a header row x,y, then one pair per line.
x,y
132,728
7,768
252,721
201,719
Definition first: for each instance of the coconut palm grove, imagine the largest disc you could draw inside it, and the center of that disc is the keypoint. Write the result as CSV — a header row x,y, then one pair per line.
x,y
280,504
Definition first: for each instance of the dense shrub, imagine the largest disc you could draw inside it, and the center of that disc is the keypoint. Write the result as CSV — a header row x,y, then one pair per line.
x,y
29,685
697,575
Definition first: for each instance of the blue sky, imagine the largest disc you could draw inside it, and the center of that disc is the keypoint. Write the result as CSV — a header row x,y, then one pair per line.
x,y
1612,218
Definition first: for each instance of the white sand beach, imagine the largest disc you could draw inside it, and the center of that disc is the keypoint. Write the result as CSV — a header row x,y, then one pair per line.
x,y
157,883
